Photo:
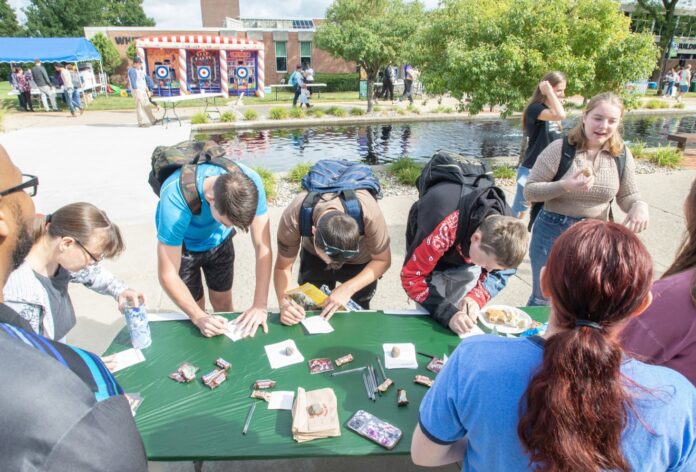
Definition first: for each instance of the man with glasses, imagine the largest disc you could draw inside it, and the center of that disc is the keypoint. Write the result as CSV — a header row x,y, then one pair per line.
x,y
336,252
60,408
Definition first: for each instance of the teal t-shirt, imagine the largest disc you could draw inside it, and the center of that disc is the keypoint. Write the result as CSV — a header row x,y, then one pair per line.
x,y
477,395
175,222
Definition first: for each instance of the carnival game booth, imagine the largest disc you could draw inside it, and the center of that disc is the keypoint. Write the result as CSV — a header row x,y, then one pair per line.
x,y
194,64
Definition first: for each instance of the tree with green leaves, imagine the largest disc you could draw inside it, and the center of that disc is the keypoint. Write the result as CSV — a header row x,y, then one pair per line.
x,y
370,33
110,56
127,13
46,18
493,52
8,20
663,14
131,51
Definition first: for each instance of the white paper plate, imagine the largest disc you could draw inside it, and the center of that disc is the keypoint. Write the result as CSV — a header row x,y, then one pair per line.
x,y
505,329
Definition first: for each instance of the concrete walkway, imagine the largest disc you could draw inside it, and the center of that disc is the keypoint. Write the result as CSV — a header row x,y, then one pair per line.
x,y
108,166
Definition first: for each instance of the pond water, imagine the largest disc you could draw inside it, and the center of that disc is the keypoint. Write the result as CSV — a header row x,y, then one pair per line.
x,y
281,149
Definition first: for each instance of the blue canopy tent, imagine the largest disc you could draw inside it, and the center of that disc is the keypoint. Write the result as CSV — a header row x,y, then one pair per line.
x,y
18,50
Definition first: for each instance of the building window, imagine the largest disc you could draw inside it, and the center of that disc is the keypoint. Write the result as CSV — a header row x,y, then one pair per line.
x,y
281,53
305,53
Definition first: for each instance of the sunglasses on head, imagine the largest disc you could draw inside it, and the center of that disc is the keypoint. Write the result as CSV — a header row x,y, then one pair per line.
x,y
336,252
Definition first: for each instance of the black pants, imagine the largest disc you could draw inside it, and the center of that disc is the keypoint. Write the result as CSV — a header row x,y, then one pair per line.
x,y
387,90
314,271
298,90
407,90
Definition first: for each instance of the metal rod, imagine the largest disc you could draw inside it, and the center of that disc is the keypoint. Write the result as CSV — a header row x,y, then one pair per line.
x,y
248,418
374,381
381,369
367,389
334,374
426,354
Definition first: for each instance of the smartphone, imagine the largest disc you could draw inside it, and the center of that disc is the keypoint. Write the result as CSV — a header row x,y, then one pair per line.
x,y
374,429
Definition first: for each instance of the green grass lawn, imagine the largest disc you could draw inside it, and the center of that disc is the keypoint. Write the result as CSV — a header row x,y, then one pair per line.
x,y
116,102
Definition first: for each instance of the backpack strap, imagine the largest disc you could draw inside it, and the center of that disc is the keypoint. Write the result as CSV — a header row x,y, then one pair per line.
x,y
620,162
567,156
351,206
189,189
306,213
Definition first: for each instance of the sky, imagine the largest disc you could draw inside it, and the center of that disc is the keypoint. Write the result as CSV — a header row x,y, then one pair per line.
x,y
187,13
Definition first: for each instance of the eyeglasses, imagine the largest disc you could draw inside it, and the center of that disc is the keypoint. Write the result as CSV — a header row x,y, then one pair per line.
x,y
96,261
337,252
29,185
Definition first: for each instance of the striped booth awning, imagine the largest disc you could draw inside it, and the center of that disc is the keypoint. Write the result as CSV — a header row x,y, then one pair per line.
x,y
194,41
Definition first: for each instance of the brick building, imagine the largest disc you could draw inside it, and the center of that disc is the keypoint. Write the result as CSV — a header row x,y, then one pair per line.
x,y
287,41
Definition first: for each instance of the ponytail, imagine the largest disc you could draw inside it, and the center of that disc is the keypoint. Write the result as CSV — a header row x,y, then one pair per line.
x,y
575,408
576,404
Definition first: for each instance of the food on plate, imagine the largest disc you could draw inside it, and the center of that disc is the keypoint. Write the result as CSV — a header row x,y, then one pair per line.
x,y
506,317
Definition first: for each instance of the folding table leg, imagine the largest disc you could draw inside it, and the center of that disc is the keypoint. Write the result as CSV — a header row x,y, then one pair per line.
x,y
197,466
175,114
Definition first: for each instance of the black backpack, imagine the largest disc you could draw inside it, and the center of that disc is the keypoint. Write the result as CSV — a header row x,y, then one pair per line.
x,y
567,156
474,176
187,155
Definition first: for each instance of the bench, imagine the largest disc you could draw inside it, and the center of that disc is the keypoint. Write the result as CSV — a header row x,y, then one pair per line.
x,y
310,86
682,139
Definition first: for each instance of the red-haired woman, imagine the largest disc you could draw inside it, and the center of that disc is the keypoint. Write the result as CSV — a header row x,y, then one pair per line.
x,y
666,333
569,400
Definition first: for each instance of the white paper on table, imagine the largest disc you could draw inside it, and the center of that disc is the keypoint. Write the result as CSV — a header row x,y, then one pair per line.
x,y
166,316
277,356
317,325
128,358
406,359
281,400
475,331
235,332
418,311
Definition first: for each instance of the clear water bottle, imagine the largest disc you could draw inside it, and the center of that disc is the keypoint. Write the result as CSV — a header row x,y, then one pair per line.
x,y
136,319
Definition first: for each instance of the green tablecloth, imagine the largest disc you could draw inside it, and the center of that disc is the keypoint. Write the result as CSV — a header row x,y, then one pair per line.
x,y
191,422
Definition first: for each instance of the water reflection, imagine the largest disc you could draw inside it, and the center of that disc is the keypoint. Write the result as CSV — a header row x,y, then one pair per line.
x,y
281,149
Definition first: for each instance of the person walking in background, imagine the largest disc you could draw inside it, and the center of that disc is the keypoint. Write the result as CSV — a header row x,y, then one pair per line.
x,y
68,88
570,399
77,87
541,124
409,76
23,85
43,83
598,169
670,79
138,85
666,333
15,85
296,82
684,82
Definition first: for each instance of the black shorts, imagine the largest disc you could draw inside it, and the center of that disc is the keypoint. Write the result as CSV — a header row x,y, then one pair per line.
x,y
217,264
315,271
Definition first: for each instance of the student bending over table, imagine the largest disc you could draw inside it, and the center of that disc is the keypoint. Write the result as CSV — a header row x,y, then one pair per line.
x,y
666,333
68,246
570,399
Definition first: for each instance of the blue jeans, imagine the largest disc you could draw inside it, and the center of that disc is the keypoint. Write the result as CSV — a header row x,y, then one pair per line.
x,y
547,228
76,98
519,204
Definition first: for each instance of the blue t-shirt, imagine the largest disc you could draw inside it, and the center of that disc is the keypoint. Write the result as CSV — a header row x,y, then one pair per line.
x,y
477,394
175,222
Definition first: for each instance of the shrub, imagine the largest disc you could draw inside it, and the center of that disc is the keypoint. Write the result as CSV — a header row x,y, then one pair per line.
x,y
442,109
504,172
338,82
278,113
336,111
251,115
666,156
412,108
199,118
270,182
679,105
401,111
406,170
376,109
300,170
638,150
655,103
227,117
355,111
297,112
319,113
